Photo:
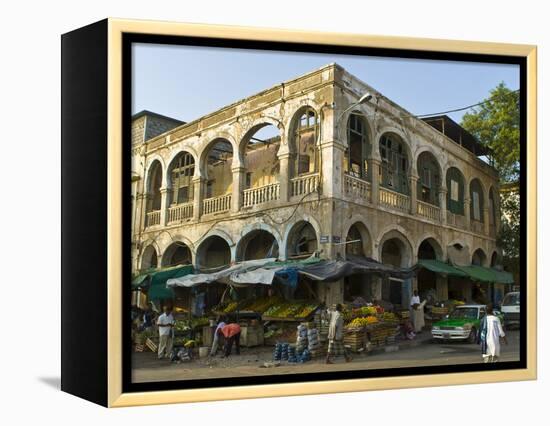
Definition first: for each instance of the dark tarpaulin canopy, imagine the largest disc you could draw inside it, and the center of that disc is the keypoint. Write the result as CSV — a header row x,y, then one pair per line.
x,y
333,270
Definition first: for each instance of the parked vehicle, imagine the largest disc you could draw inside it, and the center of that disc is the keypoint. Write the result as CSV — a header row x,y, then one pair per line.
x,y
461,324
510,308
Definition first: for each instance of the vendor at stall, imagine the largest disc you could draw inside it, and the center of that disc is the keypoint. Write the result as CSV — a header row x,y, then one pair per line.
x,y
165,324
217,336
336,336
417,312
232,334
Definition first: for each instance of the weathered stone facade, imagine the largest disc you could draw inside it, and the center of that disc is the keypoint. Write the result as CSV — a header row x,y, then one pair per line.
x,y
311,189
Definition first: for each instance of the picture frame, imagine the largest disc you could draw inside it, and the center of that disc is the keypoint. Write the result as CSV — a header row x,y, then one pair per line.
x,y
96,200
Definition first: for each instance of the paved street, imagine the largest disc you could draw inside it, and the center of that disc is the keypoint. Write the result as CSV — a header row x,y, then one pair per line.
x,y
250,362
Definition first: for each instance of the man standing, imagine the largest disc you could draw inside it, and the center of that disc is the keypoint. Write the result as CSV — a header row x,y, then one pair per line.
x,y
217,335
491,332
232,334
336,336
417,312
165,323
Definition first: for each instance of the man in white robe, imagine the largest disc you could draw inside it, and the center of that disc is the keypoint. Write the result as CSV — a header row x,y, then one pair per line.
x,y
493,333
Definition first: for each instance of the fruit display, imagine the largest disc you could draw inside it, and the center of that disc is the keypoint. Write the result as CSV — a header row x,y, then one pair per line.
x,y
260,305
291,310
362,322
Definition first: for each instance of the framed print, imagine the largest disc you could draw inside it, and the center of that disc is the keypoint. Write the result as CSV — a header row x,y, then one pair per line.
x,y
250,212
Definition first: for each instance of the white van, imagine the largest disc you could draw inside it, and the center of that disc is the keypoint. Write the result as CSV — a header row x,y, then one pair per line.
x,y
510,308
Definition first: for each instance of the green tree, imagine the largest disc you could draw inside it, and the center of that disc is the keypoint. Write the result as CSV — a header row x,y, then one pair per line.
x,y
495,123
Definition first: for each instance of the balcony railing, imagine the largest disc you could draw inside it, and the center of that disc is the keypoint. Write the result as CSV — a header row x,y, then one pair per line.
x,y
394,200
262,194
180,212
456,220
216,204
303,185
476,226
152,218
356,187
428,210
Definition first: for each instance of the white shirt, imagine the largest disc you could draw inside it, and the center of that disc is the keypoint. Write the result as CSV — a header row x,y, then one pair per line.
x,y
165,319
415,300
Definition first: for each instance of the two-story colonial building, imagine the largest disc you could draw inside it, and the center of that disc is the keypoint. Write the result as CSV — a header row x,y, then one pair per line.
x,y
349,171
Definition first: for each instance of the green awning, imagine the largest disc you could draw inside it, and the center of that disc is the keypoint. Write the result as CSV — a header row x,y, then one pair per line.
x,y
296,262
140,280
474,272
487,275
157,280
441,268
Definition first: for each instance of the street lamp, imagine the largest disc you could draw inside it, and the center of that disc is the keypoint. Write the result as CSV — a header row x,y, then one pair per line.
x,y
362,100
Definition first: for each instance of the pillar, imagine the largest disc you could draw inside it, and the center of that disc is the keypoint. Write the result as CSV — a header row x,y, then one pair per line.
x,y
284,176
413,180
237,188
376,286
467,213
442,193
486,220
374,168
198,190
442,287
164,195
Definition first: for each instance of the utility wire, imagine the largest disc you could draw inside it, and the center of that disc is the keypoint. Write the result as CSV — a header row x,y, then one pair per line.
x,y
466,107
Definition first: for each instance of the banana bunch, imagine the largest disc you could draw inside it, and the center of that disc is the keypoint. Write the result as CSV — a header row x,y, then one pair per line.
x,y
362,321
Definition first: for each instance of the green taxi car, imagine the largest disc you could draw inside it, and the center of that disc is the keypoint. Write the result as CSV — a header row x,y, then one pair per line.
x,y
461,324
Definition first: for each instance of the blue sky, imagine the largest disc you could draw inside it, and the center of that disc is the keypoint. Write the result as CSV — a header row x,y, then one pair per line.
x,y
188,82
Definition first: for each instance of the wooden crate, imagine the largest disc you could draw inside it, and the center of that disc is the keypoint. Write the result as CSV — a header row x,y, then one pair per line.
x,y
252,335
151,345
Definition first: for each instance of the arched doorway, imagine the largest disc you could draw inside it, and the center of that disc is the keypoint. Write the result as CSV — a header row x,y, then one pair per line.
x,y
395,163
301,240
181,192
149,259
219,177
154,199
304,142
455,197
177,254
476,201
429,181
479,258
257,244
214,252
426,280
358,243
396,251
261,177
359,147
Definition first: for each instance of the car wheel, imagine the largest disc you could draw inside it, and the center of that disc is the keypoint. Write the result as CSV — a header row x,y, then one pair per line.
x,y
472,336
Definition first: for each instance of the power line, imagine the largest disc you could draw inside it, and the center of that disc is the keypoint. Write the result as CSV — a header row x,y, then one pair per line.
x,y
466,107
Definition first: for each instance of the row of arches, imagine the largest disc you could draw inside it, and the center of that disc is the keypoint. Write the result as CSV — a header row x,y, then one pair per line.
x,y
258,152
301,240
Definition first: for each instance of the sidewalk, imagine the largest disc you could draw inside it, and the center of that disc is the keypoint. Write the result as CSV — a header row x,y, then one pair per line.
x,y
403,344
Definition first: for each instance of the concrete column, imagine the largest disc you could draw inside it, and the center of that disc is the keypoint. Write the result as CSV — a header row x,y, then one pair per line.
x,y
237,188
284,176
199,184
376,285
164,196
374,165
442,287
141,206
413,180
486,220
332,156
442,194
467,213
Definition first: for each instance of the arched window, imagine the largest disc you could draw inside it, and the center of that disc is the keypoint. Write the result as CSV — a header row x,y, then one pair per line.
x,y
305,138
493,207
395,164
358,147
455,191
429,178
476,201
153,187
181,176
